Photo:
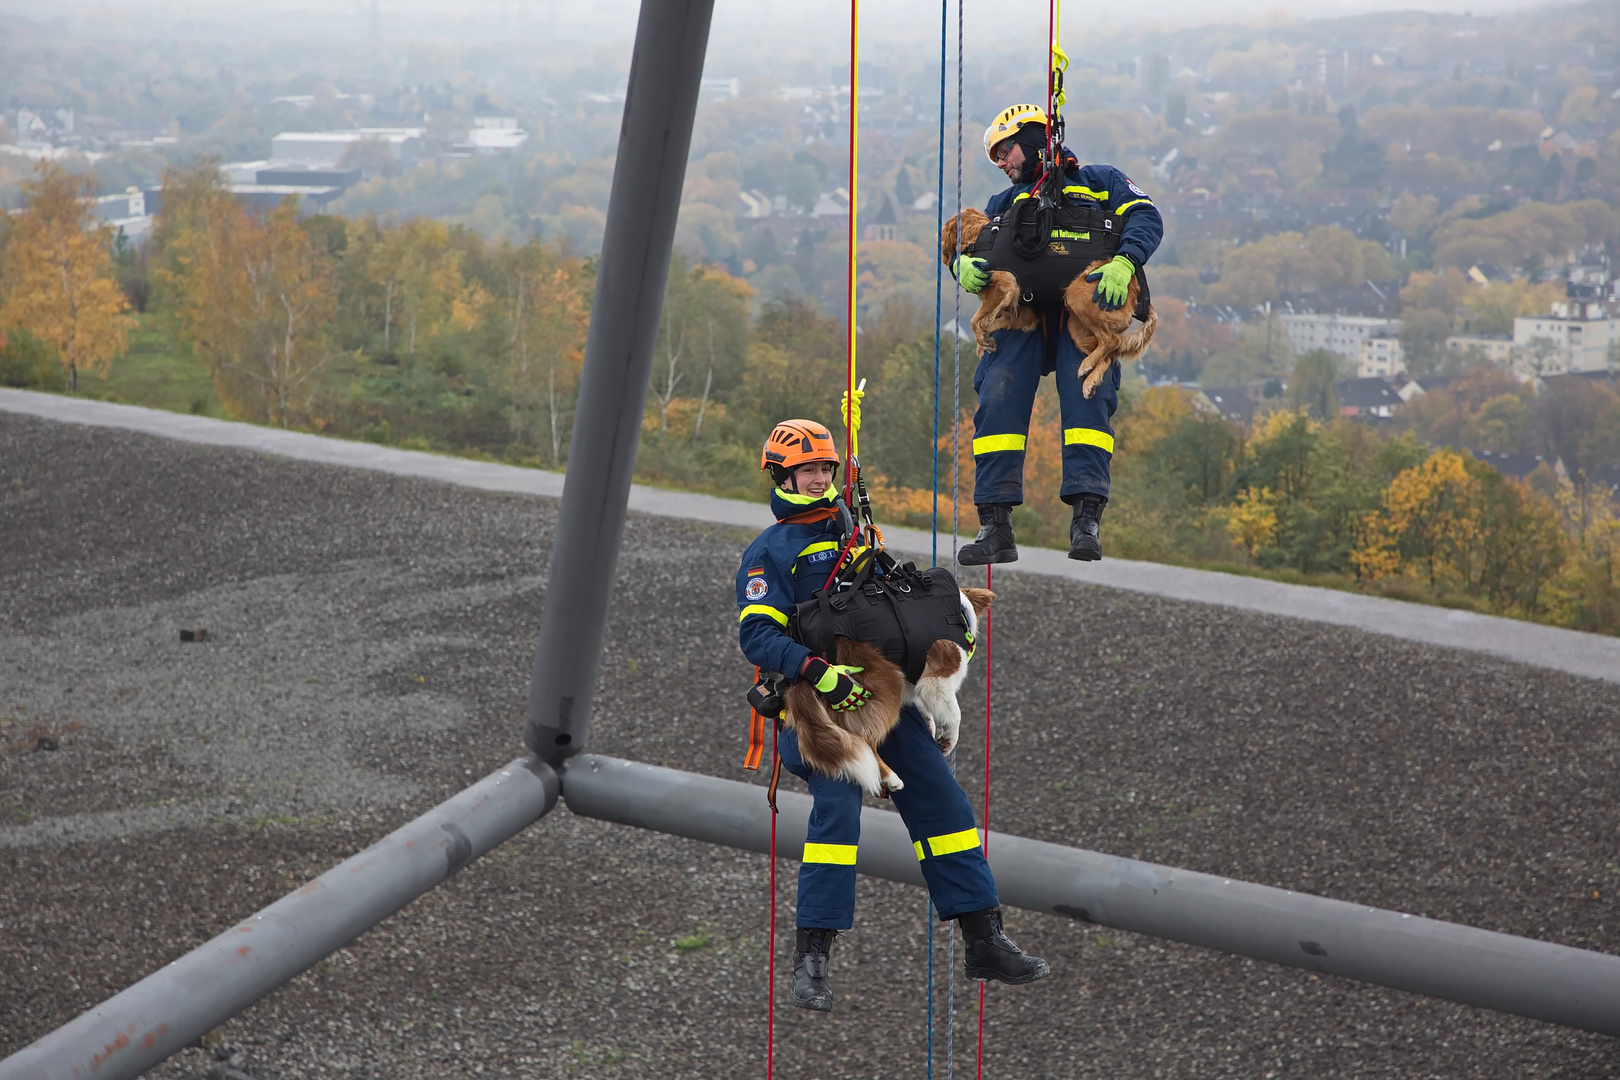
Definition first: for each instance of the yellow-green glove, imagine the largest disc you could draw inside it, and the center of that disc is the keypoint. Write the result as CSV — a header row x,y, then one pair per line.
x,y
972,272
1112,282
836,684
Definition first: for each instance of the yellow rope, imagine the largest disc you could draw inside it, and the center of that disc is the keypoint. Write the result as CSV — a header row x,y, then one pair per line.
x,y
854,180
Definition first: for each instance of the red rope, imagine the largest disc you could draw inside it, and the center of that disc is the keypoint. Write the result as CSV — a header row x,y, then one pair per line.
x,y
770,964
1051,81
979,1071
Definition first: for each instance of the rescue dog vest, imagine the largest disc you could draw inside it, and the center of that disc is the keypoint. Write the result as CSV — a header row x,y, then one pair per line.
x,y
901,614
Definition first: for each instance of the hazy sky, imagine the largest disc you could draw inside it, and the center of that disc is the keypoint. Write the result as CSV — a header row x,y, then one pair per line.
x,y
808,21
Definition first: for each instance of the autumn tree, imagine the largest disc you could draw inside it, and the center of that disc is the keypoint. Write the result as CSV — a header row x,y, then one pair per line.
x,y
254,300
1492,308
422,284
1428,525
702,343
56,277
548,317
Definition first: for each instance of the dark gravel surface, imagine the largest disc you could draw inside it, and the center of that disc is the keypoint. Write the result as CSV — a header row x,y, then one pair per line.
x,y
368,646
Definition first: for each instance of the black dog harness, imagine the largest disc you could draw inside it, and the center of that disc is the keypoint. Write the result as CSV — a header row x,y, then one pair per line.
x,y
1047,239
901,613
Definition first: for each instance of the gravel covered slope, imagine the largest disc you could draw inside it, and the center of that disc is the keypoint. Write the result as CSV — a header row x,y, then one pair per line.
x,y
369,642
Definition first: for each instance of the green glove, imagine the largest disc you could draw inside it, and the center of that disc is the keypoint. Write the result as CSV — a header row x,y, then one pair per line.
x,y
1115,279
972,272
835,683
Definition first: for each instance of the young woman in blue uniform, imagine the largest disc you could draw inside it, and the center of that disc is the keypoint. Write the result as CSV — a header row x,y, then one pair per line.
x,y
783,567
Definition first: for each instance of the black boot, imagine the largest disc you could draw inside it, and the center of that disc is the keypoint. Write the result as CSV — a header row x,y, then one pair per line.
x,y
1085,531
992,955
994,544
810,989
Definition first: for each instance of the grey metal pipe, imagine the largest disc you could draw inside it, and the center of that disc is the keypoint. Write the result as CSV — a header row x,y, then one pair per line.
x,y
174,1006
1573,987
654,138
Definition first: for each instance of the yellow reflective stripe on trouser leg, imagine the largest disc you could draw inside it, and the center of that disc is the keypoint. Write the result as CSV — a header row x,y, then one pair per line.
x,y
1083,436
837,854
990,444
948,844
763,609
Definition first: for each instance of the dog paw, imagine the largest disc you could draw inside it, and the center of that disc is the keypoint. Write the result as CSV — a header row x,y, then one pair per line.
x,y
893,783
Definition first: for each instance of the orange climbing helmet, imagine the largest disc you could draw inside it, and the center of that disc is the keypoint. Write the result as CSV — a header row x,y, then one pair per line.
x,y
797,442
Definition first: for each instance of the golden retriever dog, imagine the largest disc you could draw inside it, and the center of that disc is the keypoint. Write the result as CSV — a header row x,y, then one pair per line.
x,y
1000,307
844,745
1103,336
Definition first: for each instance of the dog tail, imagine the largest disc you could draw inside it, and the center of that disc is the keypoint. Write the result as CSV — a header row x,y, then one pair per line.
x,y
1133,343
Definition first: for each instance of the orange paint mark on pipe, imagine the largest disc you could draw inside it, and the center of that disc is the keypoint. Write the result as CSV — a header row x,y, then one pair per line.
x,y
120,1043
243,951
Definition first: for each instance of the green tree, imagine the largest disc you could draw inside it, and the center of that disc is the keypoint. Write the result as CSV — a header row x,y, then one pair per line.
x,y
1423,340
1313,385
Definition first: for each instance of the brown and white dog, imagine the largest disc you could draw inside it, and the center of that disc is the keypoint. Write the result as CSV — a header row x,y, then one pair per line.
x,y
1103,336
844,744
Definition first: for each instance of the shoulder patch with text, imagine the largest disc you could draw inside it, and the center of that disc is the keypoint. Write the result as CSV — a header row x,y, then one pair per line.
x,y
756,588
1134,189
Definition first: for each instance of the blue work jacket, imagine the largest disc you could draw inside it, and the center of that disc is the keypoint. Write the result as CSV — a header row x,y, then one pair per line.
x,y
1110,189
784,566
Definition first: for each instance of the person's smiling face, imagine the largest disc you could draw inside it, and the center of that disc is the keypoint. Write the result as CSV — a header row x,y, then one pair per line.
x,y
814,478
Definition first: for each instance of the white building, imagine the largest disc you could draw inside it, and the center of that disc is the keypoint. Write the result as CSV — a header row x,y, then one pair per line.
x,y
124,213
1574,337
1339,334
1379,355
328,147
494,135
1498,350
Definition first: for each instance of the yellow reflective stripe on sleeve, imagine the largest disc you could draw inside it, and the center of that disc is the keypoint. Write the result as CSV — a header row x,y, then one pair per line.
x,y
1078,189
763,609
917,844
1120,210
1025,195
1080,436
822,545
951,843
836,854
990,444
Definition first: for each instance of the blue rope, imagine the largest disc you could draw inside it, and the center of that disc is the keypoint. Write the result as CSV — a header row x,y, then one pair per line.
x,y
939,282
956,500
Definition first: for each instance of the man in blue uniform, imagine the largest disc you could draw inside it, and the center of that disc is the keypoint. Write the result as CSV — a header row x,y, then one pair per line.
x,y
1006,379
783,567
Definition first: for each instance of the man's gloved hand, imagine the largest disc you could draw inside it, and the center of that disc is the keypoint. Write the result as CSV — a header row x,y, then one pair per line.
x,y
852,411
972,272
1112,282
835,683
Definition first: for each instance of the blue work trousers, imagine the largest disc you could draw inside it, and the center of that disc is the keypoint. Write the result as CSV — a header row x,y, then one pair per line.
x,y
934,808
1006,381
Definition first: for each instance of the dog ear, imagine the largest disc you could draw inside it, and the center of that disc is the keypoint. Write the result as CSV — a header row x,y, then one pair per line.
x,y
979,598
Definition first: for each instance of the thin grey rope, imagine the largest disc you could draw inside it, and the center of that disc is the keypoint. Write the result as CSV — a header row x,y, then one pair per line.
x,y
956,502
